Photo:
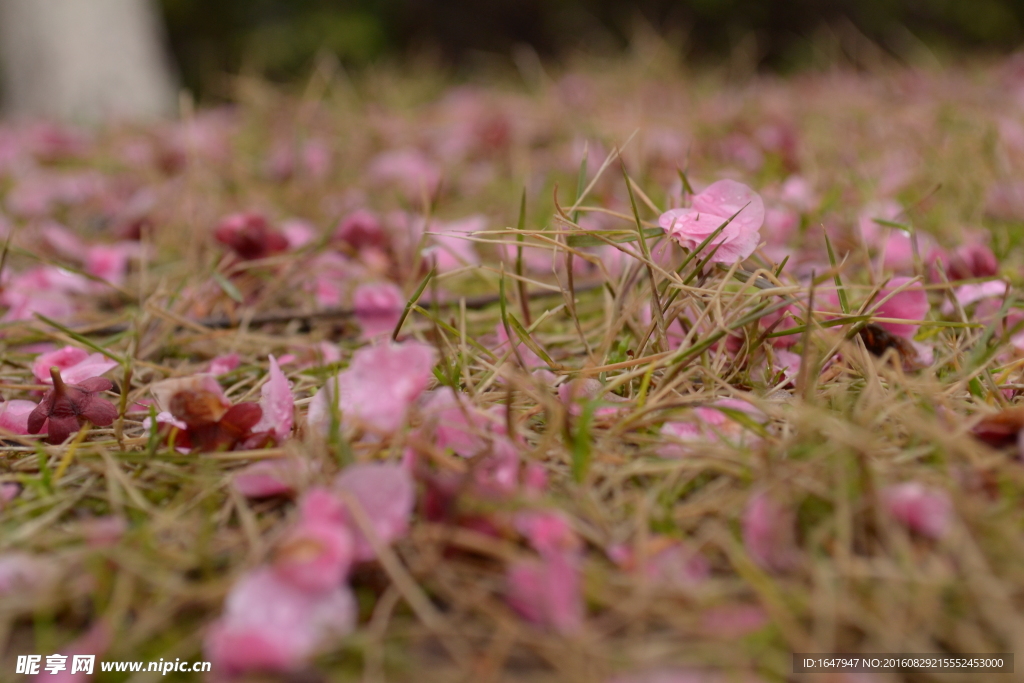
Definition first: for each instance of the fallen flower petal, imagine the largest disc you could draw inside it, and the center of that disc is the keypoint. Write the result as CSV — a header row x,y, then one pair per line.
x,y
386,494
923,510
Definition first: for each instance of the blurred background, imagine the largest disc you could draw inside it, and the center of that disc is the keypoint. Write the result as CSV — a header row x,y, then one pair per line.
x,y
280,38
90,60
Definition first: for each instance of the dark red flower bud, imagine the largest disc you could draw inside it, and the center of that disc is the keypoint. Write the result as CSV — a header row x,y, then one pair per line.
x,y
66,407
250,236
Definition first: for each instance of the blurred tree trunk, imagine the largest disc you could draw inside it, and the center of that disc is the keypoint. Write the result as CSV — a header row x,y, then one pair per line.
x,y
84,60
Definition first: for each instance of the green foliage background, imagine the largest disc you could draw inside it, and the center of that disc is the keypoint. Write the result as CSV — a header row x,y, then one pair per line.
x,y
279,38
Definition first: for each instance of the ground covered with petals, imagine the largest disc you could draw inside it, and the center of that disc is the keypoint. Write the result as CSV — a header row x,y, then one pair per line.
x,y
617,374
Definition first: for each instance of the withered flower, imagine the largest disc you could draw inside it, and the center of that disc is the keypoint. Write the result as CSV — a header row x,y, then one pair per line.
x,y
66,407
250,236
212,423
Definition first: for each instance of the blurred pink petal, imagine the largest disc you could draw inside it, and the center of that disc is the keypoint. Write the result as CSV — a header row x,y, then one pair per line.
x,y
314,555
386,493
733,621
14,415
548,592
709,210
270,625
548,531
221,365
100,532
75,365
576,392
377,388
22,572
298,232
408,169
269,478
924,510
768,533
321,504
910,304
278,404
96,641
378,307
109,262
972,293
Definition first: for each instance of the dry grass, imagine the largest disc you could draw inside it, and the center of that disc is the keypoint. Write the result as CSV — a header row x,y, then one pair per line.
x,y
435,609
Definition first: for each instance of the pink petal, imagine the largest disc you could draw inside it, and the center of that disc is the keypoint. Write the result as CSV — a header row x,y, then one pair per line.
x,y
924,510
14,416
378,307
548,531
733,621
278,404
725,197
221,365
909,304
62,358
375,391
768,531
100,532
547,592
21,572
298,233
269,478
271,625
386,494
315,556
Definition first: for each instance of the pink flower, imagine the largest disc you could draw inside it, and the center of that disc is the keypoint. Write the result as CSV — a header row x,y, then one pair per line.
x,y
378,307
909,304
75,365
547,592
456,423
923,510
386,494
270,624
277,403
14,416
315,555
710,209
376,389
768,530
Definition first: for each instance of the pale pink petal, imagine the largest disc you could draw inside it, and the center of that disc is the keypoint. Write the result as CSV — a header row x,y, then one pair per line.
x,y
768,533
548,531
547,592
14,415
315,556
386,494
710,210
61,358
298,232
733,621
909,304
674,432
278,404
375,391
378,308
100,532
269,478
924,510
271,625
221,365
21,572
